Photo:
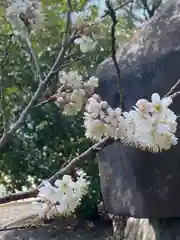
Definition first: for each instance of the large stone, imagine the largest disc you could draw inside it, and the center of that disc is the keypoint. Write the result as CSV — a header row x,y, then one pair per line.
x,y
134,182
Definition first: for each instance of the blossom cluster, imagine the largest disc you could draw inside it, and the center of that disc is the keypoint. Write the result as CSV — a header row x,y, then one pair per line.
x,y
149,126
63,197
3,190
25,15
74,92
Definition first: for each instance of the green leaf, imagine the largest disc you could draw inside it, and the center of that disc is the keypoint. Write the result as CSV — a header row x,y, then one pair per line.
x,y
10,90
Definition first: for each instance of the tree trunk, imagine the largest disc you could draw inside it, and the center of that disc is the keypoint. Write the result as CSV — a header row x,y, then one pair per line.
x,y
119,226
144,229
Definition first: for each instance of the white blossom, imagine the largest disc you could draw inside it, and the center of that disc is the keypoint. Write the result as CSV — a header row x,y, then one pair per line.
x,y
25,14
93,81
62,198
81,186
160,104
93,107
87,44
70,109
77,96
64,184
74,92
70,79
3,190
49,192
144,106
95,128
150,126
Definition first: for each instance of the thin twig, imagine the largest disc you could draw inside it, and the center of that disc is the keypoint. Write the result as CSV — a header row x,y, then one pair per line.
x,y
112,14
20,227
94,149
53,98
69,63
41,86
67,169
18,196
174,95
35,60
173,88
117,8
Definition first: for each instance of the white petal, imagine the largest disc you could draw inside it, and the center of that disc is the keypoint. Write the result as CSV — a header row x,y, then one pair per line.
x,y
78,41
84,47
57,183
166,101
169,115
141,102
118,111
44,192
149,107
155,98
110,112
162,128
66,179
174,140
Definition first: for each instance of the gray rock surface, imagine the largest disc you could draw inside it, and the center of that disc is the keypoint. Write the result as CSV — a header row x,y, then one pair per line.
x,y
18,221
137,183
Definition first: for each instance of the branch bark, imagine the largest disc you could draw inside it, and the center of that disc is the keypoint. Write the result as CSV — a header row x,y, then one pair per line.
x,y
112,14
119,226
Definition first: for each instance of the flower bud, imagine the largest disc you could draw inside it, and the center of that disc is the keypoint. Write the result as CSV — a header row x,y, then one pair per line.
x,y
97,97
104,105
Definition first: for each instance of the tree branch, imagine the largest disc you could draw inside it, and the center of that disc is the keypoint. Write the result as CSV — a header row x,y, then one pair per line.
x,y
146,7
34,59
66,170
112,14
173,88
117,8
30,226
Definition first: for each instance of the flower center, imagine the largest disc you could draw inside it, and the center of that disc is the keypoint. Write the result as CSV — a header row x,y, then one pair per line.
x,y
157,107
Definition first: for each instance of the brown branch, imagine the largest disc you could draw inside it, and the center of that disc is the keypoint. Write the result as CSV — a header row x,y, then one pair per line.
x,y
32,226
69,63
173,88
146,7
34,59
154,7
117,8
53,97
112,14
94,149
5,137
18,196
66,170
174,95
